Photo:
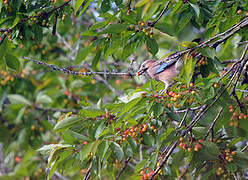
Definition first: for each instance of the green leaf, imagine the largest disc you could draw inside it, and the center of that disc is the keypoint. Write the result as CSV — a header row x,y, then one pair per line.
x,y
129,151
102,149
141,3
196,9
118,151
127,107
18,99
209,151
100,129
85,151
152,45
105,6
148,139
91,112
185,19
12,61
189,44
231,167
114,28
132,142
98,25
16,21
78,136
241,159
96,60
86,5
43,99
67,122
82,54
140,166
78,4
189,69
53,146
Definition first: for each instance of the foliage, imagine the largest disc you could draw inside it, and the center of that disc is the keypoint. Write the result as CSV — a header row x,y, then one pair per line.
x,y
56,124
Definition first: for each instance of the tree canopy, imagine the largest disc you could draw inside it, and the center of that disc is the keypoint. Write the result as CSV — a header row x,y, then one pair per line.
x,y
72,107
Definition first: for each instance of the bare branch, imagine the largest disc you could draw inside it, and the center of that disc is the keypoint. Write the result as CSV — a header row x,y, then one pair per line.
x,y
64,41
123,168
74,73
213,123
161,14
87,175
57,109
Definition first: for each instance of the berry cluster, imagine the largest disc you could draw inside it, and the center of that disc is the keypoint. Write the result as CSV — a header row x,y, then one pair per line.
x,y
144,27
177,100
234,121
146,174
225,157
137,131
240,12
191,144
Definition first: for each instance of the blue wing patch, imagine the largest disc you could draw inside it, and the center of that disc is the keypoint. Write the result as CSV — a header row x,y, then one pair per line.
x,y
162,67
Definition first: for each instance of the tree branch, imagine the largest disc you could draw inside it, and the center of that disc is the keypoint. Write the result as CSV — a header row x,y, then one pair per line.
x,y
160,15
123,168
213,123
74,73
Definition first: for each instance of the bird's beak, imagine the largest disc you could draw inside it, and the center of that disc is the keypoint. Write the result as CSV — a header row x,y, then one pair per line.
x,y
141,71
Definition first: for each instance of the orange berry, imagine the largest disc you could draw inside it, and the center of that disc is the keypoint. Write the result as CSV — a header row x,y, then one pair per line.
x,y
239,11
171,93
107,114
142,172
17,159
66,92
233,153
118,82
191,84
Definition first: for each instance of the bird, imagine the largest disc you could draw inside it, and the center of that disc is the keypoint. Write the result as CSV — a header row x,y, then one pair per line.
x,y
165,69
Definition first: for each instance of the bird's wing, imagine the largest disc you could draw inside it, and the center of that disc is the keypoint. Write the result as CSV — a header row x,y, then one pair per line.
x,y
163,66
168,61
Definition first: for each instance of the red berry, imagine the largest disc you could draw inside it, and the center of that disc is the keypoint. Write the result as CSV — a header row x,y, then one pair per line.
x,y
85,142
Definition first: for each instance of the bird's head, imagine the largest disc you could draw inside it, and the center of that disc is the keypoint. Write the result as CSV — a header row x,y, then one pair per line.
x,y
145,66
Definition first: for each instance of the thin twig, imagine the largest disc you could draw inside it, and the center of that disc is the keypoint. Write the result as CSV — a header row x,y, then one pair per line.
x,y
161,14
230,32
240,90
87,175
64,42
243,60
60,176
244,148
184,118
57,109
186,170
74,73
123,168
213,123
188,109
174,145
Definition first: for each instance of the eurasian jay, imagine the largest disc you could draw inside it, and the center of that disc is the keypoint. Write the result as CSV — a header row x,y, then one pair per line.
x,y
165,69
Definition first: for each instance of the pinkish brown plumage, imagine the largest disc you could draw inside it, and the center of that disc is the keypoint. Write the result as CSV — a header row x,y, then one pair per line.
x,y
161,72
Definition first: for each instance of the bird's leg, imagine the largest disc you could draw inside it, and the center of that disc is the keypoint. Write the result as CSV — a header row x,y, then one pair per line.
x,y
166,85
